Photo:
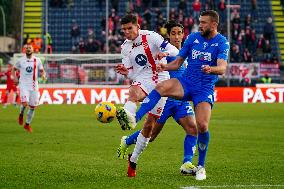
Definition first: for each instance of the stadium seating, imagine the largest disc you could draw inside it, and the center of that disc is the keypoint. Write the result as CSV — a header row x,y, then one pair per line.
x,y
90,13
32,18
279,24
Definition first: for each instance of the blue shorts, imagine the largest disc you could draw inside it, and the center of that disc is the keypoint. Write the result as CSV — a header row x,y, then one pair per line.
x,y
195,95
176,109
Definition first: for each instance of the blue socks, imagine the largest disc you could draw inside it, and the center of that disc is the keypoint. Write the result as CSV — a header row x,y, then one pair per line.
x,y
132,138
203,140
189,147
148,104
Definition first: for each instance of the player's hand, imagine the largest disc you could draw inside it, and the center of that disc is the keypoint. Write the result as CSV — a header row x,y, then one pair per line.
x,y
43,77
121,69
161,55
206,69
161,67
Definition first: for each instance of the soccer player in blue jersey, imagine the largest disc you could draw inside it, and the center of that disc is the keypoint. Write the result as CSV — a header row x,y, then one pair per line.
x,y
181,111
207,54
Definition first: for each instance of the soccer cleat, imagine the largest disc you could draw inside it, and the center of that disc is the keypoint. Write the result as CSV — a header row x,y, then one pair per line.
x,y
122,149
200,173
28,128
188,168
21,119
131,171
126,120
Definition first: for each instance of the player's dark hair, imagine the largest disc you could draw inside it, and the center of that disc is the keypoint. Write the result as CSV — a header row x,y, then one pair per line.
x,y
129,18
213,15
172,23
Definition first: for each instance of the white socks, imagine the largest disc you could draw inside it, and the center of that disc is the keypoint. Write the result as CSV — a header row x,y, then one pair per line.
x,y
130,107
141,144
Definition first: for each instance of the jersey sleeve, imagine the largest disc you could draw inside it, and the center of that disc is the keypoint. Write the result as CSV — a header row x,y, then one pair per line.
x,y
126,62
39,63
18,64
164,44
223,50
184,51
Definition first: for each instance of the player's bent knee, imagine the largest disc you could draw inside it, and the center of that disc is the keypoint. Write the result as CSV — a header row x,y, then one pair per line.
x,y
202,127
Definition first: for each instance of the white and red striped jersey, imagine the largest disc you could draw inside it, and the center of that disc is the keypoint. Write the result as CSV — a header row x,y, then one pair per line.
x,y
138,56
29,69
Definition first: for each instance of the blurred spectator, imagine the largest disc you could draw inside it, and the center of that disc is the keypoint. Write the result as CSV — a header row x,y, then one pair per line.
x,y
267,49
173,15
47,43
37,44
235,53
146,4
196,5
222,10
81,45
75,33
254,10
90,34
92,46
248,21
268,29
266,79
147,17
138,5
247,56
209,5
182,6
259,45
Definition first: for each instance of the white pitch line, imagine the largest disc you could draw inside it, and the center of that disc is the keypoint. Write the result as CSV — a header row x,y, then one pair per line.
x,y
231,186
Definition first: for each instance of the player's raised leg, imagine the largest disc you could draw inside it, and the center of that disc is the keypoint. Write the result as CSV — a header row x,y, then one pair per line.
x,y
126,115
168,88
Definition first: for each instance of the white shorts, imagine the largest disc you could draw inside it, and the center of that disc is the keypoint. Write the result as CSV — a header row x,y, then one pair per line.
x,y
29,96
147,87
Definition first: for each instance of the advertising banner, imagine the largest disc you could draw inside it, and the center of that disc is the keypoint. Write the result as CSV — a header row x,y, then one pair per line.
x,y
119,95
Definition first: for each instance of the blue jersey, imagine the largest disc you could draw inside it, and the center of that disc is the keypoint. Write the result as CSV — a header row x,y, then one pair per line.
x,y
201,51
175,73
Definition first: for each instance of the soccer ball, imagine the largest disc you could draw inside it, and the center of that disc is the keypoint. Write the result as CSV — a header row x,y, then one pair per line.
x,y
105,112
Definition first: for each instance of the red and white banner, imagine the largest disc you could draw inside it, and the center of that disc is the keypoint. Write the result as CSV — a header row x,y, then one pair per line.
x,y
119,95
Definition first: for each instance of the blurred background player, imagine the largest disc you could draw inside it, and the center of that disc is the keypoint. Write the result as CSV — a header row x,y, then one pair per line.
x,y
181,111
29,66
139,65
207,53
11,86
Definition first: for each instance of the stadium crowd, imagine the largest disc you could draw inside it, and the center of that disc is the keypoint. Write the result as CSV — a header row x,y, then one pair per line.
x,y
246,44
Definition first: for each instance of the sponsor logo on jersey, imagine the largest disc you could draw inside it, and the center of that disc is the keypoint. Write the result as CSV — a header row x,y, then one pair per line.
x,y
205,44
201,55
136,44
29,69
196,41
141,59
214,45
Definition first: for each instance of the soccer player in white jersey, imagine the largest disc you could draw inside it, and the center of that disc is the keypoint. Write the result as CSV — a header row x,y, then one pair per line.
x,y
141,51
29,67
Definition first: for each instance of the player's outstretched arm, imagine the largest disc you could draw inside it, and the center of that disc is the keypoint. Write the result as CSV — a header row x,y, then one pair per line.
x,y
220,69
174,65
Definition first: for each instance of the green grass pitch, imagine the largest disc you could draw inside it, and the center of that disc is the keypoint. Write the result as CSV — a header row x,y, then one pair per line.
x,y
70,149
